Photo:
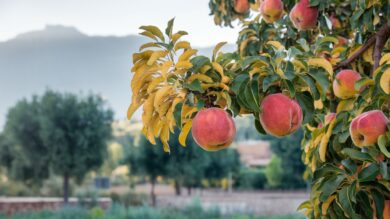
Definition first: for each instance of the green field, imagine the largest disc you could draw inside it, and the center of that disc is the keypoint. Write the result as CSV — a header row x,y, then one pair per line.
x,y
120,212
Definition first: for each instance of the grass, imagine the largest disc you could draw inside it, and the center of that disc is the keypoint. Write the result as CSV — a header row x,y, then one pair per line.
x,y
193,211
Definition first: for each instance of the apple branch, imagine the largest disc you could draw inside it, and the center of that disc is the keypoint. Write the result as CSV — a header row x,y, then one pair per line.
x,y
379,40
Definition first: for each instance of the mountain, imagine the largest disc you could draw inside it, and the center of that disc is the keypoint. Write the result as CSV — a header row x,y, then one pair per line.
x,y
64,59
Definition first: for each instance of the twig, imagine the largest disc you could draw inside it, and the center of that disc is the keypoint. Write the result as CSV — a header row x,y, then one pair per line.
x,y
379,39
346,62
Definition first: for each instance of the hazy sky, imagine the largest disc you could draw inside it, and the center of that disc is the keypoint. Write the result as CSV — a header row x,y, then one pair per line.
x,y
113,17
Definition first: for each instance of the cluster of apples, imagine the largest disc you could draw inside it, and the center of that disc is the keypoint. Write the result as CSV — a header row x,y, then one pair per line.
x,y
302,15
367,127
213,129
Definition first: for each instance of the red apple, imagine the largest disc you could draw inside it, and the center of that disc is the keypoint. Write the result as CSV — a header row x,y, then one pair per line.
x,y
271,10
303,16
280,115
367,127
241,6
344,84
213,129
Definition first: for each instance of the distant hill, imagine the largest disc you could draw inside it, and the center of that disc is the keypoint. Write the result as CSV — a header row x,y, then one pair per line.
x,y
64,59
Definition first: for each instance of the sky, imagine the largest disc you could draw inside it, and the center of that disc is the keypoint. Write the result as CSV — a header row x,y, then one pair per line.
x,y
113,17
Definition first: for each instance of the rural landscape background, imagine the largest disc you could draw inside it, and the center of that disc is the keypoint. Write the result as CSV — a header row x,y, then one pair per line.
x,y
257,177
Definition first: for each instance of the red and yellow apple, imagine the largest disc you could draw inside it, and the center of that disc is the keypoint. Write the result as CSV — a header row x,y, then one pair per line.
x,y
367,127
241,6
271,10
213,129
280,115
336,24
303,16
344,84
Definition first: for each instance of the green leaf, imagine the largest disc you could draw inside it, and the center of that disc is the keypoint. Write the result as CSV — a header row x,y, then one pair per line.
x,y
177,114
306,101
313,89
198,62
194,86
330,186
237,82
346,203
379,201
250,59
369,173
349,165
269,80
169,28
357,155
382,141
259,127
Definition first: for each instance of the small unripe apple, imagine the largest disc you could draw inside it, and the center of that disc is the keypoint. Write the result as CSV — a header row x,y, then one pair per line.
x,y
303,16
344,84
213,129
241,6
280,115
367,127
271,10
330,117
336,24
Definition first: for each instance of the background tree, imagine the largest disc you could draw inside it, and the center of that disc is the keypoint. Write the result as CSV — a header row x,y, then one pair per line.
x,y
28,157
274,172
57,132
288,149
148,160
76,130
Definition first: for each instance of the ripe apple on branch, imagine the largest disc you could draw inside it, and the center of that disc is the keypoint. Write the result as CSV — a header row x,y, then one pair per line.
x,y
323,66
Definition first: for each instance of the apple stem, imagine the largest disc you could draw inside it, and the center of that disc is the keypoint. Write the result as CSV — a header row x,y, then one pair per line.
x,y
379,40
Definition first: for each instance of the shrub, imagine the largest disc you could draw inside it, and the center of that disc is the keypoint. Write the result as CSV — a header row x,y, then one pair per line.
x,y
250,178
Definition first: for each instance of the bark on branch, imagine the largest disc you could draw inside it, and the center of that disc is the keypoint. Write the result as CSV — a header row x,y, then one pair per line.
x,y
379,40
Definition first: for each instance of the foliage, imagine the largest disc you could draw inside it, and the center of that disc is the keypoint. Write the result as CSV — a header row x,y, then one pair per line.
x,y
289,151
250,178
274,172
47,132
193,211
347,181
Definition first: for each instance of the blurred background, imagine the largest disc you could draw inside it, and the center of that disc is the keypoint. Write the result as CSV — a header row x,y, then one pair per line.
x,y
64,91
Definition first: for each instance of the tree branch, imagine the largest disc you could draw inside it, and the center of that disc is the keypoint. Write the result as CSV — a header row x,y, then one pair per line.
x,y
381,38
346,62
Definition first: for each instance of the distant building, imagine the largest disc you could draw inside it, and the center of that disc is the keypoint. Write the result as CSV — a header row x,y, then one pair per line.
x,y
254,153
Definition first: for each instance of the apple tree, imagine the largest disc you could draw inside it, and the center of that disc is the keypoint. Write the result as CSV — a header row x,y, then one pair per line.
x,y
320,66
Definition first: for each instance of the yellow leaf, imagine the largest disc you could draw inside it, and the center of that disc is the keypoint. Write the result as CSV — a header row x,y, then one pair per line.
x,y
327,203
177,36
298,64
148,34
385,59
184,64
318,104
200,77
132,108
148,45
218,68
217,48
367,55
164,137
153,85
205,69
324,142
276,44
184,133
182,45
280,73
165,68
385,81
321,62
245,43
187,54
154,30
345,105
155,56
